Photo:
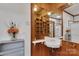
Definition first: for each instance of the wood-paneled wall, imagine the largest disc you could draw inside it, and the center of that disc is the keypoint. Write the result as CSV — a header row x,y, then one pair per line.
x,y
45,8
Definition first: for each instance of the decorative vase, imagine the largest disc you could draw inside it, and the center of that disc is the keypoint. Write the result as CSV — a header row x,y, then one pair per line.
x,y
13,31
13,37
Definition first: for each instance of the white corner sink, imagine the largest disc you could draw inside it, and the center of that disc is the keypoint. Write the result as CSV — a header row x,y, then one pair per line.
x,y
53,42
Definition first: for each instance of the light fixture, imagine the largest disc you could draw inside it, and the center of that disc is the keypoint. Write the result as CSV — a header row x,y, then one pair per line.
x,y
49,13
58,16
35,8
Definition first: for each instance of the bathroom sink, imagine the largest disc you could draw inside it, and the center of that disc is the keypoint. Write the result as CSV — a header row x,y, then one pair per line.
x,y
52,42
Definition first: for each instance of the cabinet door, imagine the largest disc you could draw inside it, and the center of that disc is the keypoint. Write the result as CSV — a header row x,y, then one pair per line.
x,y
14,49
15,52
10,46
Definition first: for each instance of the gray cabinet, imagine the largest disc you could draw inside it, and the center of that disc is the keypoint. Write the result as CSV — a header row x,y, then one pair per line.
x,y
12,48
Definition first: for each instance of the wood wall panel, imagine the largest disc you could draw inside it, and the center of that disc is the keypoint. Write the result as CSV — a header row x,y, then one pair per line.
x,y
46,7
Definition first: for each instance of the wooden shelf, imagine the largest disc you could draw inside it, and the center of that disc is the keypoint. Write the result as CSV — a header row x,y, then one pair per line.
x,y
41,28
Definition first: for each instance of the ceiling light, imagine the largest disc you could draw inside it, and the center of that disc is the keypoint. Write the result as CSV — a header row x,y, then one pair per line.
x,y
58,16
49,13
35,8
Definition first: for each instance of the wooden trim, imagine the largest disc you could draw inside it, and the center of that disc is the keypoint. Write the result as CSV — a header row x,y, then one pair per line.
x,y
68,13
31,28
71,14
53,29
73,18
62,26
76,15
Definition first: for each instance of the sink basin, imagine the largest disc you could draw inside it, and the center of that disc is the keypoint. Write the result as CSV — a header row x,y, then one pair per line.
x,y
53,42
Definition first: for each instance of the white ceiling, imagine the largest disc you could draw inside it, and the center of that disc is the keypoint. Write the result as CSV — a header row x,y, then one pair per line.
x,y
13,7
74,9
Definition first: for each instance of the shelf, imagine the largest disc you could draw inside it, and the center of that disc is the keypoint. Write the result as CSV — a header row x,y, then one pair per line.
x,y
41,28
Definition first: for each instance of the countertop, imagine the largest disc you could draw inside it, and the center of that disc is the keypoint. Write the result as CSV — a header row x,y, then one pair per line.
x,y
11,41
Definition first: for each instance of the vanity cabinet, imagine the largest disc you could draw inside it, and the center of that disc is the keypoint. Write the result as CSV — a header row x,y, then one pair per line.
x,y
12,48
